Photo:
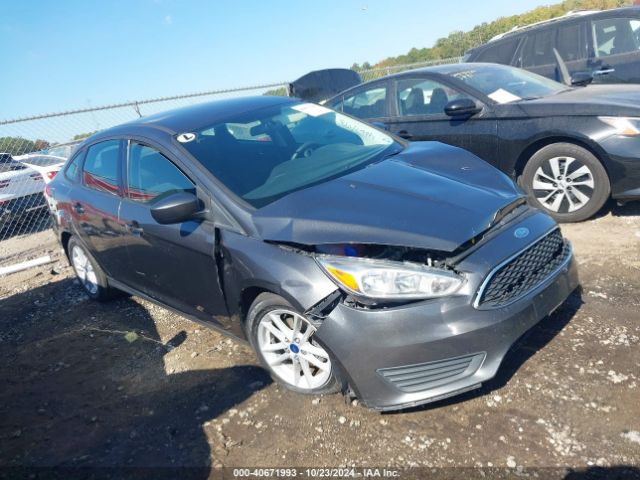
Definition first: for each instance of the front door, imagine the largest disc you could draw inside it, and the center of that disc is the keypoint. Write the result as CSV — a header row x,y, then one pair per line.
x,y
616,50
420,104
174,264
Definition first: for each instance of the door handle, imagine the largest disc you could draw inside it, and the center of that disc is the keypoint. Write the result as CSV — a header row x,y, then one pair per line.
x,y
134,228
78,208
604,71
404,134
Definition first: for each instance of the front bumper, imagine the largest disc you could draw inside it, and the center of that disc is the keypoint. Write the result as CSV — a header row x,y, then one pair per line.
x,y
623,166
450,346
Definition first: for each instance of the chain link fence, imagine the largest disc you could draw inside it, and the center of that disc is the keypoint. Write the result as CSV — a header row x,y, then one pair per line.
x,y
33,149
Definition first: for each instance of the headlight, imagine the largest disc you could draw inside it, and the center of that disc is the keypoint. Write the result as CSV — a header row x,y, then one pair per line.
x,y
623,125
389,280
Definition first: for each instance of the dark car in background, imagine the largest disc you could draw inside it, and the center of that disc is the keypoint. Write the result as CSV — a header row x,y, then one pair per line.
x,y
570,148
348,258
601,44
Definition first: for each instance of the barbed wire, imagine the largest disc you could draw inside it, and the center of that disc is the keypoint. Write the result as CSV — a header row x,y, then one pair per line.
x,y
135,103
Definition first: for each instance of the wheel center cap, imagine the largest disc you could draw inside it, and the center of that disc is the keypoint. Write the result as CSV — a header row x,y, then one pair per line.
x,y
294,348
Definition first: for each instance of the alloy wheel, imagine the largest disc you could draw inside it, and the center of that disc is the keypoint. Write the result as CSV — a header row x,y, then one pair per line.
x,y
563,184
285,340
84,269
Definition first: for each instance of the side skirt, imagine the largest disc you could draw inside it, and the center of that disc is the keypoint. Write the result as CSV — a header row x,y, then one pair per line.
x,y
193,318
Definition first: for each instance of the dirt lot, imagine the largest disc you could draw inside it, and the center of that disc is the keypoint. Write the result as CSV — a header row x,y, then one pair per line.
x,y
131,384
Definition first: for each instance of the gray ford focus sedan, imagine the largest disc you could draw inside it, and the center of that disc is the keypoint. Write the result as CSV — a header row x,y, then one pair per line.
x,y
350,260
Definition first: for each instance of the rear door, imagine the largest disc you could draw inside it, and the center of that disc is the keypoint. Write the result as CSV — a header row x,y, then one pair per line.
x,y
94,205
419,116
171,263
615,49
536,54
571,42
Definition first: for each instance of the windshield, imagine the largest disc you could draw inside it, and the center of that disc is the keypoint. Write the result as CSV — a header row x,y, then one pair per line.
x,y
505,84
266,154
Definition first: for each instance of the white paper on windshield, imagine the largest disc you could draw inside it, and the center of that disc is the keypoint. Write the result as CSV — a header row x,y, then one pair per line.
x,y
368,135
502,96
311,109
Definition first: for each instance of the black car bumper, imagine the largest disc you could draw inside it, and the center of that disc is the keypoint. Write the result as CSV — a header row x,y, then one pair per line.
x,y
623,166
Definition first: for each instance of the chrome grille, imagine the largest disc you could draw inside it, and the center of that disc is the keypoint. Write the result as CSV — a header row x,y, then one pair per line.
x,y
524,272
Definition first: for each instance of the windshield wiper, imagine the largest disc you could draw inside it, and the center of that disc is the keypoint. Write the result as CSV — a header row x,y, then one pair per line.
x,y
392,154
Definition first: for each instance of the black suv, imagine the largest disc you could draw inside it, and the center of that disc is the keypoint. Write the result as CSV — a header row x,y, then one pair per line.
x,y
604,44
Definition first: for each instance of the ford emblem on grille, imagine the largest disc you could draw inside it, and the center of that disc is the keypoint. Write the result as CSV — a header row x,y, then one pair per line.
x,y
521,232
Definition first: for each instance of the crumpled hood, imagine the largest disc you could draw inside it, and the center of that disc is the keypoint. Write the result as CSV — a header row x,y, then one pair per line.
x,y
431,196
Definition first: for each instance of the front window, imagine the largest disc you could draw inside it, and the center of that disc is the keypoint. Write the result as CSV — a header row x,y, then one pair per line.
x,y
418,96
613,36
266,154
151,176
505,84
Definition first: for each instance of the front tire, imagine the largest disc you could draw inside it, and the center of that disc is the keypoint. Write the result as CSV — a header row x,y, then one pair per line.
x,y
89,274
283,340
566,181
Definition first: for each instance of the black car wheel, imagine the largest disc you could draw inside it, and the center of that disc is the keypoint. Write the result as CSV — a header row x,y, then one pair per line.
x,y
283,340
566,181
91,277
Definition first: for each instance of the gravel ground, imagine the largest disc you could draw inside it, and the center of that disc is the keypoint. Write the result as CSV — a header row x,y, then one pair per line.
x,y
131,384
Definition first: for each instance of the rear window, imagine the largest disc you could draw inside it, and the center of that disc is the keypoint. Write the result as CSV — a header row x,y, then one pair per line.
x,y
43,161
538,49
502,52
571,43
72,172
101,166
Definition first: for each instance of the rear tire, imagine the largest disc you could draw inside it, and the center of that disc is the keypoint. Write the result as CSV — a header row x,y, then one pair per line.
x,y
566,181
91,277
283,340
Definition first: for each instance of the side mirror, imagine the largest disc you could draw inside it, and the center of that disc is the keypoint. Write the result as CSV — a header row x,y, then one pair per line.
x,y
581,79
176,208
461,107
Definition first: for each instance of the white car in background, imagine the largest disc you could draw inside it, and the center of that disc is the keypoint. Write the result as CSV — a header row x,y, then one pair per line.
x,y
22,182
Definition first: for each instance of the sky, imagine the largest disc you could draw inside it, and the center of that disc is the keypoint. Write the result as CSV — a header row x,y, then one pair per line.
x,y
65,54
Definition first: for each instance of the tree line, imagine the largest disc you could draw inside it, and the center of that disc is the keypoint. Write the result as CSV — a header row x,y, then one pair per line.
x,y
458,42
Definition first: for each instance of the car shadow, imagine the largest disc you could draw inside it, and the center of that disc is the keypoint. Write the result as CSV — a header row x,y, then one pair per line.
x,y
630,209
616,472
85,386
534,340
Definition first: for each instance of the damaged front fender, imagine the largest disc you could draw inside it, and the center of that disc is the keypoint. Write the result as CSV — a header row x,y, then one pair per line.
x,y
250,264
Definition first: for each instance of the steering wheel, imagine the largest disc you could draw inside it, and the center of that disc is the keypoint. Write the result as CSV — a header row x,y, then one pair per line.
x,y
305,150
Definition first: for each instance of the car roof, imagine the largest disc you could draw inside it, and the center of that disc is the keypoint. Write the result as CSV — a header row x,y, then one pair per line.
x,y
447,69
192,117
567,17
